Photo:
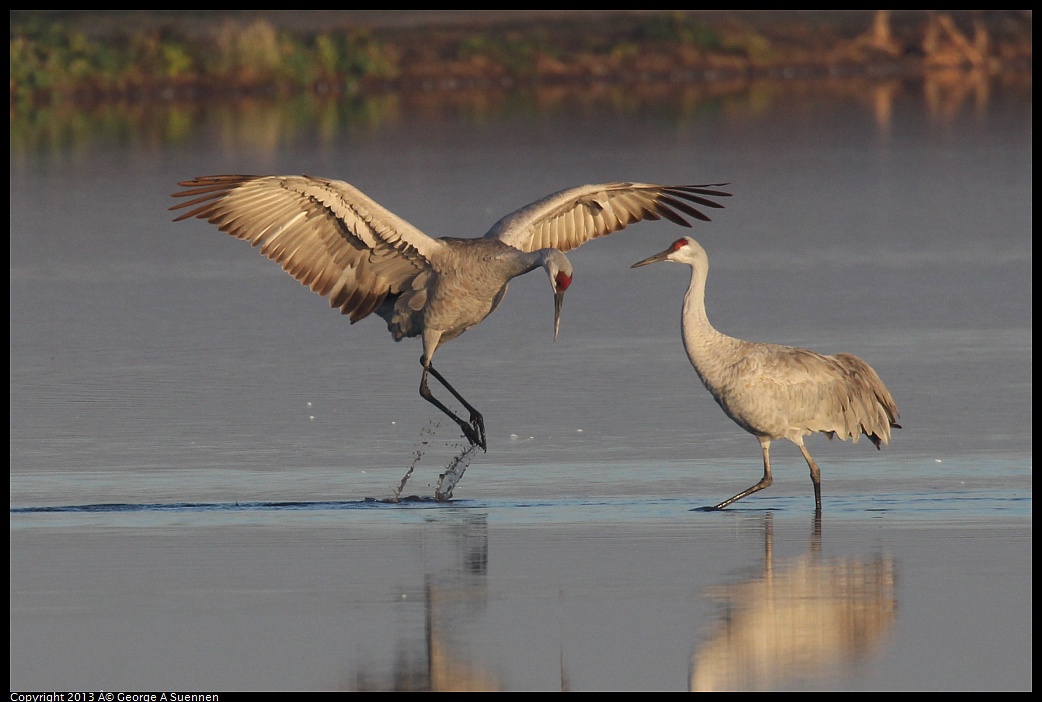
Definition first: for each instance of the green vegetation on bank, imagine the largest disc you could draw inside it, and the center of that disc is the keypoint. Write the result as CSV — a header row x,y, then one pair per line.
x,y
53,63
60,58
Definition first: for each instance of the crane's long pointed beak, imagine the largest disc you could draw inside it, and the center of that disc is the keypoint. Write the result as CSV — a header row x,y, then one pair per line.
x,y
660,256
558,302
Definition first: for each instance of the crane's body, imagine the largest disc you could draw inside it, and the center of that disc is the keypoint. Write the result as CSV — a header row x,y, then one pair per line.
x,y
346,247
774,391
460,288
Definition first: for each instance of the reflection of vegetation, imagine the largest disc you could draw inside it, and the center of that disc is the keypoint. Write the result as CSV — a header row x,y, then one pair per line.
x,y
266,123
94,77
256,123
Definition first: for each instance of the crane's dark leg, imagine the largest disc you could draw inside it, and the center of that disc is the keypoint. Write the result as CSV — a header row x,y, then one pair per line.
x,y
477,421
815,475
475,430
765,481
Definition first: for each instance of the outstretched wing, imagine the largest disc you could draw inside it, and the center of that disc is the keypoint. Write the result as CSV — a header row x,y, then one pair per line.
x,y
325,233
570,218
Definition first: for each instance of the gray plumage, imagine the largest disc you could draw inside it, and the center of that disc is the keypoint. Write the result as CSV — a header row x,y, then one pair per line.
x,y
346,247
774,391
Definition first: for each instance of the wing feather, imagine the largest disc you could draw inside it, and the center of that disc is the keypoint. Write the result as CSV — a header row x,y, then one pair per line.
x,y
325,233
569,218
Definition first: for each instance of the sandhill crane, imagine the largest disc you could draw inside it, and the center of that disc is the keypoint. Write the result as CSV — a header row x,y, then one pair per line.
x,y
774,391
343,245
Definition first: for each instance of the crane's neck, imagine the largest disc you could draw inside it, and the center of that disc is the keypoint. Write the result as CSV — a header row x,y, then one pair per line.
x,y
536,259
523,262
708,350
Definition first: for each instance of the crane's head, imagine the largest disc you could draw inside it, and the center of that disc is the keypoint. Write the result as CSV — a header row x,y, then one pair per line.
x,y
683,250
559,269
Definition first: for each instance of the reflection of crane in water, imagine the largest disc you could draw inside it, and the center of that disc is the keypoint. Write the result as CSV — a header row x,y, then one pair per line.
x,y
774,391
454,590
447,657
344,246
803,619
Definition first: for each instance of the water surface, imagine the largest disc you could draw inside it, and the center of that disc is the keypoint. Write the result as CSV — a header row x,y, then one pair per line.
x,y
194,434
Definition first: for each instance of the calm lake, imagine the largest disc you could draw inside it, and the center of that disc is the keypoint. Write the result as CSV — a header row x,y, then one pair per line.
x,y
194,435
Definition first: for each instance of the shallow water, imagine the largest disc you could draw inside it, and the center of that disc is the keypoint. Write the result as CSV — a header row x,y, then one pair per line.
x,y
194,435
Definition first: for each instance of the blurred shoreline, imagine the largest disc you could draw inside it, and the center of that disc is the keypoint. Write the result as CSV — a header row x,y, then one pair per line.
x,y
93,57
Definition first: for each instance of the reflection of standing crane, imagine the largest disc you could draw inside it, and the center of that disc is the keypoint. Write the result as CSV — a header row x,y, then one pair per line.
x,y
804,619
343,245
778,392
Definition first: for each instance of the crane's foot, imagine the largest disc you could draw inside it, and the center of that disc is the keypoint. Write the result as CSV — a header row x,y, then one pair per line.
x,y
477,422
475,434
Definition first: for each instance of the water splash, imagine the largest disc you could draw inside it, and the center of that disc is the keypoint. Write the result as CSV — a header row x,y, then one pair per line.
x,y
448,479
453,473
425,439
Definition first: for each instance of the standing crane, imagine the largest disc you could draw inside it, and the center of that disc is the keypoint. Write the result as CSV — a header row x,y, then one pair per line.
x,y
344,246
774,391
